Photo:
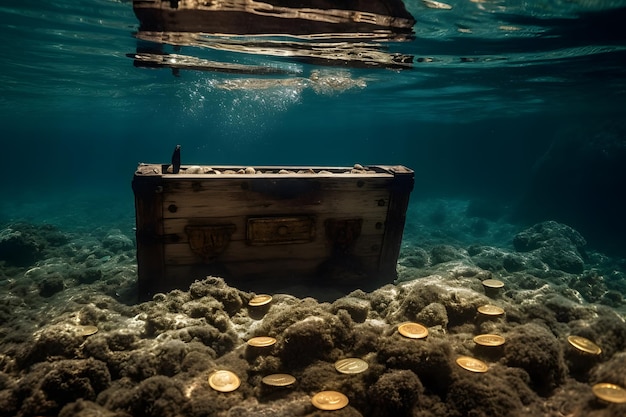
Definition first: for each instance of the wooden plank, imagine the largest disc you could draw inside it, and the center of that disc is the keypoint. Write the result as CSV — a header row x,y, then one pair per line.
x,y
238,204
297,269
400,192
174,229
149,228
260,183
237,251
272,278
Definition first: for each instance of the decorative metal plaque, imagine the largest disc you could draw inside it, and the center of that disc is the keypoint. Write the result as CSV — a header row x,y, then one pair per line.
x,y
280,230
209,241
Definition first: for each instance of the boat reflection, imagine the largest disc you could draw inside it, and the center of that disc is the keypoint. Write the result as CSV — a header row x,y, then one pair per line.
x,y
270,37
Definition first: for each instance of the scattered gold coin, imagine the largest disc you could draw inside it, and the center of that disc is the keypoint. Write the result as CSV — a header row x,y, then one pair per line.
x,y
489,340
86,330
493,283
584,345
224,381
413,330
260,300
329,400
490,310
279,380
610,392
351,366
472,364
262,341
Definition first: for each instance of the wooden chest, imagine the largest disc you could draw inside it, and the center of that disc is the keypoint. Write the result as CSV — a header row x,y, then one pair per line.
x,y
272,225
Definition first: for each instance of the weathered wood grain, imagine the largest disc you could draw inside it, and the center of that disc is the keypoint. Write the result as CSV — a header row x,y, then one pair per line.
x,y
269,224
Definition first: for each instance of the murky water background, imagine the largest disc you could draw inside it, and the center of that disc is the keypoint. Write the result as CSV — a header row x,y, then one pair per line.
x,y
491,85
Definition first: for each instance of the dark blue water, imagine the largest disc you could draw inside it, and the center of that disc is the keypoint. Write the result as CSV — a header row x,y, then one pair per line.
x,y
517,104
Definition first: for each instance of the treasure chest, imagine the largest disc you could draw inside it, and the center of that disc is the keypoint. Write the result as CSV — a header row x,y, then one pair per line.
x,y
339,226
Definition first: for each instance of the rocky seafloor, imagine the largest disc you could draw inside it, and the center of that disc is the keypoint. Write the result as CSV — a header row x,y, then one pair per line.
x,y
154,358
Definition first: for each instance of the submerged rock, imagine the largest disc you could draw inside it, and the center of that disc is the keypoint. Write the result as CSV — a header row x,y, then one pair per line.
x,y
395,393
51,285
431,360
50,386
543,234
558,245
23,244
590,285
534,349
116,241
491,394
445,253
357,308
17,248
434,314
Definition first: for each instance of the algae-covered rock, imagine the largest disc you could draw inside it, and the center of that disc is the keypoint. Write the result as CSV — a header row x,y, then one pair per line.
x,y
445,253
430,359
306,341
611,371
153,397
395,393
476,395
357,308
556,244
51,385
590,285
23,244
55,341
115,241
216,287
434,314
70,380
83,408
542,234
17,248
533,348
415,258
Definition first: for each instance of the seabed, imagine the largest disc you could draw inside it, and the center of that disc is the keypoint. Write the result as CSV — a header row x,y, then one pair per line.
x,y
75,343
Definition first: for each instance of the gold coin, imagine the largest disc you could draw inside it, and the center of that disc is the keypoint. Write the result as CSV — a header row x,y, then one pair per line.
x,y
472,364
490,310
489,340
329,400
493,283
86,330
279,380
261,341
351,366
610,392
260,300
413,330
584,345
224,381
